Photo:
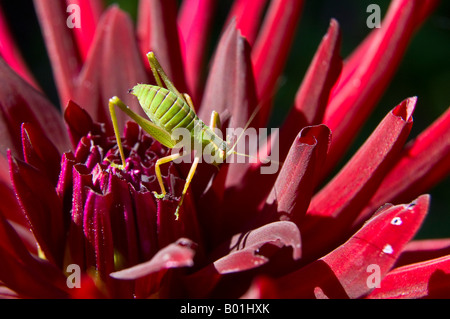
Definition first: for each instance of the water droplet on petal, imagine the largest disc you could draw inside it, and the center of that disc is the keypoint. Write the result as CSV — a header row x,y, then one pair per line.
x,y
396,221
388,249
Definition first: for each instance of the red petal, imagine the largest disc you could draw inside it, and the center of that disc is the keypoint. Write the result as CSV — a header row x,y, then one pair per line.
x,y
230,84
176,255
123,221
292,191
88,289
423,163
169,228
271,48
143,29
165,40
366,75
6,293
60,44
10,241
9,206
114,65
23,273
30,282
428,279
425,249
262,288
40,152
249,250
90,11
20,103
42,207
144,203
312,96
344,272
230,89
77,249
247,14
79,123
10,53
97,230
335,207
194,21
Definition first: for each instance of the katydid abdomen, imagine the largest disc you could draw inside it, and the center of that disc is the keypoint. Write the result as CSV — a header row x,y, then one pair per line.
x,y
170,112
164,108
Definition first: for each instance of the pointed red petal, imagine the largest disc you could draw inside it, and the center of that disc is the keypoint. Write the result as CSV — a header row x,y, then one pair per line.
x,y
195,26
169,228
22,272
249,250
345,272
144,203
77,251
247,14
424,249
20,103
112,68
97,230
123,221
292,191
176,255
312,96
428,279
79,123
336,206
230,89
165,40
271,49
60,44
424,162
39,200
366,75
143,29
40,152
230,85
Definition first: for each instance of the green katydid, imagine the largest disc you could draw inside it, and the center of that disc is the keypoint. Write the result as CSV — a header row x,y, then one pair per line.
x,y
168,110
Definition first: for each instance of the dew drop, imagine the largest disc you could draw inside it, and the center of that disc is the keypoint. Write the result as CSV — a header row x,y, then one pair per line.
x,y
396,221
388,249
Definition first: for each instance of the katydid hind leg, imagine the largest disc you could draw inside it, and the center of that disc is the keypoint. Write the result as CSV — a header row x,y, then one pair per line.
x,y
158,163
113,102
159,75
187,183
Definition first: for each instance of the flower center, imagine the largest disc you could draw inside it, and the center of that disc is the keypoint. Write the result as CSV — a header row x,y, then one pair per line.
x,y
101,157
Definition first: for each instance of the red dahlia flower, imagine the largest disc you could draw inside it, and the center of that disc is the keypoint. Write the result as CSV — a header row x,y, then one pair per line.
x,y
294,234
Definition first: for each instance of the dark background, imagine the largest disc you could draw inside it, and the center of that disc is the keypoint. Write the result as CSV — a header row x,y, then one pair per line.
x,y
424,71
